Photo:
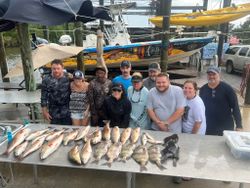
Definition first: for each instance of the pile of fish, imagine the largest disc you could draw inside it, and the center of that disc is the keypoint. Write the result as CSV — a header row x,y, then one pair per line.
x,y
97,144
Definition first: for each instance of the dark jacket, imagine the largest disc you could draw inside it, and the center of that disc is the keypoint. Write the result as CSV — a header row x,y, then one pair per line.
x,y
117,111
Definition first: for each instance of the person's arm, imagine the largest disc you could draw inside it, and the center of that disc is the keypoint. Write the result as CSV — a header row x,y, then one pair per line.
x,y
233,103
196,127
91,99
44,100
126,116
175,116
161,125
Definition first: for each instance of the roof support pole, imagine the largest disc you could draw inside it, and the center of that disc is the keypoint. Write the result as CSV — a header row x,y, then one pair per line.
x,y
3,62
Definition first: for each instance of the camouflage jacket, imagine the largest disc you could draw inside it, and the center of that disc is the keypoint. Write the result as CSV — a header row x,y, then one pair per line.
x,y
97,93
55,95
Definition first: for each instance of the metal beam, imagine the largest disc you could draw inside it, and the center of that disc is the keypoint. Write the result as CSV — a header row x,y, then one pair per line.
x,y
172,8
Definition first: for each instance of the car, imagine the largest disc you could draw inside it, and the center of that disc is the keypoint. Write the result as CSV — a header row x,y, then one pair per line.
x,y
236,57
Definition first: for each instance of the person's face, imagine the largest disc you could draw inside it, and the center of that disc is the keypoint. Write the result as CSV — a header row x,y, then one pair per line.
x,y
213,78
137,85
189,90
162,83
78,82
57,70
117,94
100,75
125,70
152,74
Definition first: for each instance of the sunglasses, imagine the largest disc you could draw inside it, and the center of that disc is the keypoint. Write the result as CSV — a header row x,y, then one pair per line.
x,y
118,90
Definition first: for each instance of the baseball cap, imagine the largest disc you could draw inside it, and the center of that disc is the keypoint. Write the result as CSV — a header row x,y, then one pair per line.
x,y
213,69
117,86
78,75
125,64
100,68
136,77
154,66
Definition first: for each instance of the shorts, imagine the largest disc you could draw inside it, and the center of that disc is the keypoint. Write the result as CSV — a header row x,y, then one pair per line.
x,y
77,115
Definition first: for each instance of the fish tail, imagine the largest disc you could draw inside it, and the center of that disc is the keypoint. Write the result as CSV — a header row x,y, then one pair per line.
x,y
96,161
143,168
5,154
160,166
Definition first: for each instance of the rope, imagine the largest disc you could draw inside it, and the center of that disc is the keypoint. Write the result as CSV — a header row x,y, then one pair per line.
x,y
245,78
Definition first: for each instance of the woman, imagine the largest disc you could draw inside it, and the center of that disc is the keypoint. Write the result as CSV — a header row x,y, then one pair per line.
x,y
193,120
137,95
79,104
117,107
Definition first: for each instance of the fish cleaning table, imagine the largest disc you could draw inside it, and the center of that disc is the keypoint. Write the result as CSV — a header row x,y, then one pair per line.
x,y
203,157
21,97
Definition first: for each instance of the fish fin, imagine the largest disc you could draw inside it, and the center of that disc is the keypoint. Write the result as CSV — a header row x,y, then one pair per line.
x,y
143,168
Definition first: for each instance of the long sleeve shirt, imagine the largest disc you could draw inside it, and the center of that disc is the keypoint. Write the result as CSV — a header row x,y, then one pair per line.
x,y
222,108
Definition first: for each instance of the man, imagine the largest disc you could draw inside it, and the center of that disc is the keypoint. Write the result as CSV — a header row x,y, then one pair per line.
x,y
166,105
125,78
99,88
153,70
55,95
221,104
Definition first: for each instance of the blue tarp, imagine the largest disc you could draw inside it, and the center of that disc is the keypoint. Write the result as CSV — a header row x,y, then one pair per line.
x,y
210,50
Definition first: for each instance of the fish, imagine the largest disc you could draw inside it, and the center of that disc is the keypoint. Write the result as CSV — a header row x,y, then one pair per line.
x,y
20,148
135,135
35,134
140,155
54,134
125,135
101,150
17,140
50,147
115,134
70,136
82,133
113,152
33,147
41,136
127,151
86,152
74,155
96,136
155,156
144,139
106,132
152,140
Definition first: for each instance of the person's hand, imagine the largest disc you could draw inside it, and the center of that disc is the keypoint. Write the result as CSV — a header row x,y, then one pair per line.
x,y
239,129
47,116
162,126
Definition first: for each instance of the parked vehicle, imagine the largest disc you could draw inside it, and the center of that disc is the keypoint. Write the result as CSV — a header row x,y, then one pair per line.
x,y
236,57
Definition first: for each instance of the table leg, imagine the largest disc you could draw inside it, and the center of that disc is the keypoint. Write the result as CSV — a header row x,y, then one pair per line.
x,y
130,177
32,110
241,185
35,174
11,172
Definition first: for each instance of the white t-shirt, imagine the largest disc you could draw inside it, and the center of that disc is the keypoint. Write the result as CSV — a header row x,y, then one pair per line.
x,y
195,113
165,104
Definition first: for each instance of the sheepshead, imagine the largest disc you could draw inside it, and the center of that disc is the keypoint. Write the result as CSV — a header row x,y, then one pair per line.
x,y
125,135
115,134
54,134
17,140
101,150
82,133
20,148
152,140
155,156
135,135
127,151
33,147
96,136
69,137
106,132
86,152
113,152
50,147
144,139
141,156
36,134
74,155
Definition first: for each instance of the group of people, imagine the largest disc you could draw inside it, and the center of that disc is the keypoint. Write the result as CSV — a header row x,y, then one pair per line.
x,y
131,101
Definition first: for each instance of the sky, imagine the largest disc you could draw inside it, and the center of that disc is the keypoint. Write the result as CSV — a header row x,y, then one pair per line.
x,y
142,21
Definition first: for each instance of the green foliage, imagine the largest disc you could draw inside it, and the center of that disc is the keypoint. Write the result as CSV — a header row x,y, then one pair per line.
x,y
243,32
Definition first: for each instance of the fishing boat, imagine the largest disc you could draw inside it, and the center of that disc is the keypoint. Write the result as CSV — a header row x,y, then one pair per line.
x,y
205,18
140,54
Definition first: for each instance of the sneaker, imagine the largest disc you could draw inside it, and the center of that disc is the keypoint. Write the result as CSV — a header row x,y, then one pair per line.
x,y
177,180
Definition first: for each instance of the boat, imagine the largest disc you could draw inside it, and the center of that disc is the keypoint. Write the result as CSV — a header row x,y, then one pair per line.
x,y
139,54
205,18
